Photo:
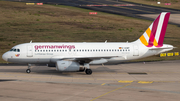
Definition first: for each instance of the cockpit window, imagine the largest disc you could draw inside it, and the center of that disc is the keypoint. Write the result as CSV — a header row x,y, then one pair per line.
x,y
15,50
11,49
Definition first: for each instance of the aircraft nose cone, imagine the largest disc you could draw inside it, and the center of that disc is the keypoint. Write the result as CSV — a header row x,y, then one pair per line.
x,y
4,56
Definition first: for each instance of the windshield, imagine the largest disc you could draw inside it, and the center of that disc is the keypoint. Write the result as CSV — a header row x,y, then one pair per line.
x,y
11,49
15,50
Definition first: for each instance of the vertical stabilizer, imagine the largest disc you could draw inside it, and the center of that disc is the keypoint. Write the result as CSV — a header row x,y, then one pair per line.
x,y
154,35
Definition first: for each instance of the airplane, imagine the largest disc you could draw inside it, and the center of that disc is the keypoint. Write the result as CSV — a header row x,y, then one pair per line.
x,y
78,56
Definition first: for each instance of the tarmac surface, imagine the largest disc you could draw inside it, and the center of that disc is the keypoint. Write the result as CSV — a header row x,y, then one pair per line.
x,y
150,81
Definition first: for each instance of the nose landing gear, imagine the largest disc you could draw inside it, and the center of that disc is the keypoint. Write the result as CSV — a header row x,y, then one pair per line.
x,y
29,69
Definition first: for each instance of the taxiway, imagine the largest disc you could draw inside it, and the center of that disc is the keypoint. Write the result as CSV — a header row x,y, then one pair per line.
x,y
148,81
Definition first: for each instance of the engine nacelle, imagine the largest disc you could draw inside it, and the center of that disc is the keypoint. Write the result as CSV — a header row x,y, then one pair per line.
x,y
67,66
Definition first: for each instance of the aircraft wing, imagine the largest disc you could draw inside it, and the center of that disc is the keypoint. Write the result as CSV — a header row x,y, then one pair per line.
x,y
85,59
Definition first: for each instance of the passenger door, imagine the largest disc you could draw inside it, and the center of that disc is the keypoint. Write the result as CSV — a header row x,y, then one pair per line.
x,y
29,51
136,50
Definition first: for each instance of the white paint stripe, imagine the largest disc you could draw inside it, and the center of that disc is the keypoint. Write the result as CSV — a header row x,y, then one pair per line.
x,y
146,35
159,28
151,26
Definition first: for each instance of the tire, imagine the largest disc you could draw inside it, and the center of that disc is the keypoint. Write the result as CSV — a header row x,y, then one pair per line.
x,y
28,71
88,71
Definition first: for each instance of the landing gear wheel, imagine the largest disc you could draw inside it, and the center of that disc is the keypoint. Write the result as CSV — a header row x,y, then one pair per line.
x,y
28,71
88,71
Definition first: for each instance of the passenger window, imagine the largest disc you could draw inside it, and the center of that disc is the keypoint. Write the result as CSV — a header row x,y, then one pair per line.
x,y
57,50
43,50
54,50
112,50
46,50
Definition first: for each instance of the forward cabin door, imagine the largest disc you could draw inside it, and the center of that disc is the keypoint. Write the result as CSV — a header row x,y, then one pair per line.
x,y
136,50
29,51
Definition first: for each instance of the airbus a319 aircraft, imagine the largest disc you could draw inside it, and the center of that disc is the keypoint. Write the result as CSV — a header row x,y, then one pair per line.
x,y
78,56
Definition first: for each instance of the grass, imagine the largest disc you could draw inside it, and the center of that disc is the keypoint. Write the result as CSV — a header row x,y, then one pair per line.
x,y
175,4
22,23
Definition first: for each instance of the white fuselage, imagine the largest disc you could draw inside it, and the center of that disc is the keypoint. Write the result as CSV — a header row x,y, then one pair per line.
x,y
98,53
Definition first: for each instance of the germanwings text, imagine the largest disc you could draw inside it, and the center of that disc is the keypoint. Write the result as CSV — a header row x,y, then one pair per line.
x,y
54,47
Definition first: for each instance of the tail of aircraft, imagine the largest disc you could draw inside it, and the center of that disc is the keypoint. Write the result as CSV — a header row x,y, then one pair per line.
x,y
154,35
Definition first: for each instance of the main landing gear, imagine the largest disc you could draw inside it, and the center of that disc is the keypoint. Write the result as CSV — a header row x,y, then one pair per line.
x,y
29,69
88,71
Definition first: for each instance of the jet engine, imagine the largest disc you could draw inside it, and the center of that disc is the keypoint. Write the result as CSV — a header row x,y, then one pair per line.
x,y
67,66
